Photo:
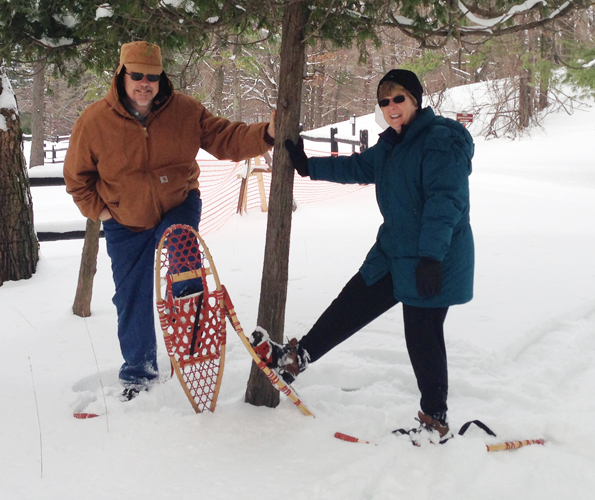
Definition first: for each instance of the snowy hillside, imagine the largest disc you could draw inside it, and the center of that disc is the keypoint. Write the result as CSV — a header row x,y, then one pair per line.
x,y
520,358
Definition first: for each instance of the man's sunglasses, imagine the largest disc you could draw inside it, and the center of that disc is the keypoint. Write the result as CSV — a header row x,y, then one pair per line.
x,y
137,77
398,99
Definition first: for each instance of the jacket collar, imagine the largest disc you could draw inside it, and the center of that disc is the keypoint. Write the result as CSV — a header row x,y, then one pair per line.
x,y
408,132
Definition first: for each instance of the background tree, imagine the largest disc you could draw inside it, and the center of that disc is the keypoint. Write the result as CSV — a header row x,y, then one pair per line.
x,y
24,27
38,114
19,249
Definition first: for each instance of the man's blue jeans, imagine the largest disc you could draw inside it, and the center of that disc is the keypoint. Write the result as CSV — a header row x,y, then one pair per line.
x,y
133,268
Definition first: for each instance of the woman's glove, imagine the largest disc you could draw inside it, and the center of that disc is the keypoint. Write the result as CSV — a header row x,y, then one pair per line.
x,y
298,158
428,276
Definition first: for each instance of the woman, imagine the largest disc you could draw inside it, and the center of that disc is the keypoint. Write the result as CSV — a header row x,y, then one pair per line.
x,y
423,256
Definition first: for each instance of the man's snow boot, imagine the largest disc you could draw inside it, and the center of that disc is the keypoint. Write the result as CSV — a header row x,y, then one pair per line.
x,y
129,393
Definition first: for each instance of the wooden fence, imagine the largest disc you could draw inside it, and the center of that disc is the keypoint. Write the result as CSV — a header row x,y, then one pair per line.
x,y
334,139
52,151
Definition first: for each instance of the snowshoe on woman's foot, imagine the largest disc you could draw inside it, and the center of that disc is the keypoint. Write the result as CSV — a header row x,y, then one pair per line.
x,y
287,361
431,430
434,424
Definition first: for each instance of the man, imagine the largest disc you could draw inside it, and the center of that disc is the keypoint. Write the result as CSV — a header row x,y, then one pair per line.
x,y
132,164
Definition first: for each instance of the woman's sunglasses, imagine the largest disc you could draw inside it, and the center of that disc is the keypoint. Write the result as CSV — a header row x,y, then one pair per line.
x,y
383,103
137,77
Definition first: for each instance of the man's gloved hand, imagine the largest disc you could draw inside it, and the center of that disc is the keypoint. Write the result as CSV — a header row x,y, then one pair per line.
x,y
299,160
428,276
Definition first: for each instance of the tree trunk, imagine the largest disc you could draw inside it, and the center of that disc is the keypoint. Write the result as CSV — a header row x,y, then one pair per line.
x,y
84,290
525,108
19,248
37,115
218,94
237,84
545,45
321,79
273,292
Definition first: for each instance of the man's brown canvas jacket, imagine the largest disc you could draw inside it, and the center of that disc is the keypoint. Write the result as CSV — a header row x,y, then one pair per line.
x,y
139,172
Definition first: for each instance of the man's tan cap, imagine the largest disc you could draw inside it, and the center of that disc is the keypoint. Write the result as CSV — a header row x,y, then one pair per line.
x,y
141,57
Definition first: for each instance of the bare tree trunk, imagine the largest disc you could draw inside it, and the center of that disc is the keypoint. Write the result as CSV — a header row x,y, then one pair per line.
x,y
84,290
526,89
237,84
321,80
273,292
306,119
335,106
545,45
19,248
37,115
184,82
369,101
218,94
525,108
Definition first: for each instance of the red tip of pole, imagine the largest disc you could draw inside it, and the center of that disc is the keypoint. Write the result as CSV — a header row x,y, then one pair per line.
x,y
85,415
351,439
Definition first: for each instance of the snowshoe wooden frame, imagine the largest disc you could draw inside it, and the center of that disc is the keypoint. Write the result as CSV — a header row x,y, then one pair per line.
x,y
200,373
193,326
507,445
274,379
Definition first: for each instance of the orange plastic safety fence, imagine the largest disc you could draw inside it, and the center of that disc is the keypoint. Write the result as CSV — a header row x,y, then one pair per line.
x,y
220,189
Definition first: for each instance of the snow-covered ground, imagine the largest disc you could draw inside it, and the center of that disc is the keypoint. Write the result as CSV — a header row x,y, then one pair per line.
x,y
521,360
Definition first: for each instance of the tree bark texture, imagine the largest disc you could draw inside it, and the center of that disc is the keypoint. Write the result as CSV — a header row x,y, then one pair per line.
x,y
218,94
37,115
525,105
84,290
19,248
237,84
273,292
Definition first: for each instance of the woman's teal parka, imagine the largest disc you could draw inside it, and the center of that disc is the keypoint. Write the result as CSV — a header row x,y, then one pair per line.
x,y
422,188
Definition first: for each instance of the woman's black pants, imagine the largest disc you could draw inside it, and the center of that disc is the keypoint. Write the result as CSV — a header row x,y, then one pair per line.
x,y
358,304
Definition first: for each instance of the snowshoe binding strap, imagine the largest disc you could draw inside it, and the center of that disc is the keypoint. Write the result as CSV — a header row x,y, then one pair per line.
x,y
479,424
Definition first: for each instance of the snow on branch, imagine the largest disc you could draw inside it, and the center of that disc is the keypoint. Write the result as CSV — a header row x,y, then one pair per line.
x,y
498,25
104,10
66,20
53,44
482,24
489,23
559,9
403,21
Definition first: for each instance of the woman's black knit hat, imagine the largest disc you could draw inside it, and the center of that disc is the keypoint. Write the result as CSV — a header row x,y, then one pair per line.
x,y
406,79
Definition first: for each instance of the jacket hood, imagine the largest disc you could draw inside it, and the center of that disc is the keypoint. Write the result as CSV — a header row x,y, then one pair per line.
x,y
116,92
461,137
